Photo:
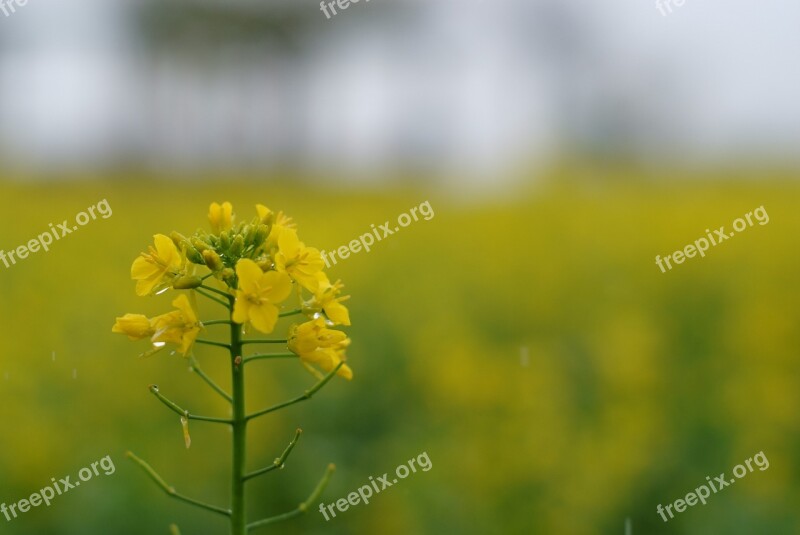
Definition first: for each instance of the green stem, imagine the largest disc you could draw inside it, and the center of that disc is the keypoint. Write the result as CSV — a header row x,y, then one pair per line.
x,y
290,312
217,322
238,516
306,395
270,356
209,296
262,341
171,490
277,463
303,507
210,343
184,412
226,295
218,389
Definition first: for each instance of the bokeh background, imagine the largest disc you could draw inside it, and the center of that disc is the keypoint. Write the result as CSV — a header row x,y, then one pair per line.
x,y
523,337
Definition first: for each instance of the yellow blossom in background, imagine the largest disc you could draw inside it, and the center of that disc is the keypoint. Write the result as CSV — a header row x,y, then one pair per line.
x,y
136,326
220,216
159,267
257,295
179,327
327,299
315,344
301,263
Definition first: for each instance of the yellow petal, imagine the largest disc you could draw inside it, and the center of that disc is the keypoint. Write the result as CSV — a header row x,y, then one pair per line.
x,y
167,251
249,275
241,309
288,243
338,313
135,326
264,317
279,284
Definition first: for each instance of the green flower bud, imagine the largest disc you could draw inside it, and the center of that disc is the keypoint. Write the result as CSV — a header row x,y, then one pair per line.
x,y
236,247
212,260
194,255
187,283
199,244
225,241
177,238
260,235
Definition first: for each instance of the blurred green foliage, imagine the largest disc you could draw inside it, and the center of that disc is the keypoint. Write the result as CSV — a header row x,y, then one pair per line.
x,y
559,382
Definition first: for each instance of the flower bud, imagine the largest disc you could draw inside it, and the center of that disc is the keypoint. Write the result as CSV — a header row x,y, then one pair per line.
x,y
199,244
212,260
187,283
225,241
236,247
177,238
260,235
193,255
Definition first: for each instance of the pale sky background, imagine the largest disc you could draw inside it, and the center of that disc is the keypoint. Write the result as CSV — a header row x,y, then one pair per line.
x,y
443,85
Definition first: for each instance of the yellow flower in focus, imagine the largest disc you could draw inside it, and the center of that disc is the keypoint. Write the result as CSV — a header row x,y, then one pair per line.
x,y
279,223
315,344
156,269
257,295
301,263
179,327
327,299
220,216
136,326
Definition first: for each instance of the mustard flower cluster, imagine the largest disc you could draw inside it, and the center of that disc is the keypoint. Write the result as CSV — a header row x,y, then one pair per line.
x,y
256,265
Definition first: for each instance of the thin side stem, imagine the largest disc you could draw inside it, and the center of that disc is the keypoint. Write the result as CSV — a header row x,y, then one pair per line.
x,y
263,341
217,322
303,507
183,412
290,312
212,343
226,295
277,463
209,296
218,389
306,395
170,490
270,356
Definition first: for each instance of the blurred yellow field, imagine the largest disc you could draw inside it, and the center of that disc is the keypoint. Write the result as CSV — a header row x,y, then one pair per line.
x,y
557,379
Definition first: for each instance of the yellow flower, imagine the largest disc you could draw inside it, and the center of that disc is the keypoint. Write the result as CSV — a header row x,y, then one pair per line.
x,y
315,344
220,216
136,326
179,327
301,263
258,294
156,269
327,298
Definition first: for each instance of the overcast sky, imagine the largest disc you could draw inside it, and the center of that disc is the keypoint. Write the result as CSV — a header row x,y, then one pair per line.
x,y
455,83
